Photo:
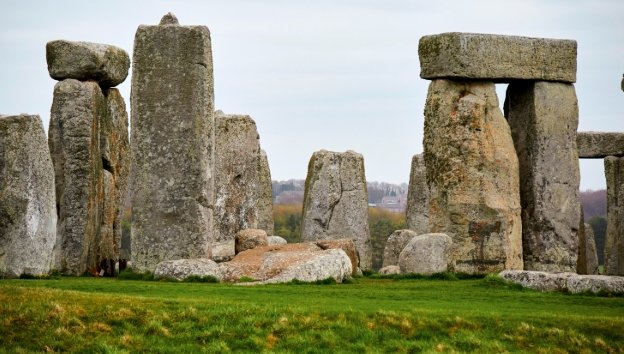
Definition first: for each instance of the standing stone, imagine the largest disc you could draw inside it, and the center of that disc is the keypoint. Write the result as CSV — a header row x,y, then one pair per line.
x,y
265,197
335,203
543,117
614,240
172,144
472,172
237,182
417,210
587,262
27,208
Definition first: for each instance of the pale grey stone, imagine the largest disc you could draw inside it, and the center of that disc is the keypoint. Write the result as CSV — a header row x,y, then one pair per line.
x,y
417,210
27,201
172,145
598,145
331,263
276,240
568,282
335,202
250,238
427,254
223,251
390,270
169,19
472,173
106,64
614,240
496,57
346,245
543,117
182,269
587,262
395,244
265,195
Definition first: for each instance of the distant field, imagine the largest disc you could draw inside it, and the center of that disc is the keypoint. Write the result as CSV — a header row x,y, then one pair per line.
x,y
368,315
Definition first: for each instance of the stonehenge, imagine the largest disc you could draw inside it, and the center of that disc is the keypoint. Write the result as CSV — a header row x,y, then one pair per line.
x,y
614,240
417,209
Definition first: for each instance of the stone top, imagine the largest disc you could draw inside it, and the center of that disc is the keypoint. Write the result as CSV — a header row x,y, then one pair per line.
x,y
169,19
499,58
598,145
84,61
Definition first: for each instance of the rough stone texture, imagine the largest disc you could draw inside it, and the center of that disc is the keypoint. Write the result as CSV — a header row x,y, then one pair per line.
x,y
181,269
346,245
84,61
426,254
587,262
331,263
335,203
472,173
496,57
543,117
390,270
172,145
569,282
223,251
598,145
237,167
27,207
417,210
276,240
250,238
265,195
395,244
614,240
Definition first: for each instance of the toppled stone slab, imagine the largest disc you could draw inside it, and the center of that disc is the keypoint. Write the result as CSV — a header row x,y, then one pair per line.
x,y
543,117
390,270
417,210
335,202
182,269
331,263
276,240
250,238
106,64
346,245
472,172
426,254
569,282
27,201
614,240
223,251
598,145
496,57
395,244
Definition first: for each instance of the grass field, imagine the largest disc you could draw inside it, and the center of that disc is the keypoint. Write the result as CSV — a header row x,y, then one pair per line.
x,y
367,315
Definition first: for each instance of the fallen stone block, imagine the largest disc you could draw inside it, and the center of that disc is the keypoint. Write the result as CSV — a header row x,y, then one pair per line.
x,y
395,244
426,254
182,269
567,282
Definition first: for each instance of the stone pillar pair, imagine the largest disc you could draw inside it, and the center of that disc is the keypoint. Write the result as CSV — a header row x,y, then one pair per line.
x,y
88,139
505,190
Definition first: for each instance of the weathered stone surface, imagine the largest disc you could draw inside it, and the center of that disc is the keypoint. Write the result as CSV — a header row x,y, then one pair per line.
x,y
496,57
598,145
182,269
172,145
614,240
390,270
543,117
395,244
472,173
276,240
250,238
417,210
331,263
568,282
265,195
84,61
587,262
426,254
27,201
346,245
223,251
335,202
237,167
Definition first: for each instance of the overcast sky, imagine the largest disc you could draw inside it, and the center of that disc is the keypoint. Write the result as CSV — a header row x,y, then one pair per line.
x,y
323,74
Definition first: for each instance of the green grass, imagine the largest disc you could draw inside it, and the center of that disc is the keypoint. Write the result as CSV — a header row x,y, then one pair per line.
x,y
367,315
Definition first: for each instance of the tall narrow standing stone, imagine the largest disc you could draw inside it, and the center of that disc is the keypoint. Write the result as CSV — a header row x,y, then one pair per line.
x,y
335,203
543,117
172,144
472,172
587,262
27,210
614,242
265,197
417,211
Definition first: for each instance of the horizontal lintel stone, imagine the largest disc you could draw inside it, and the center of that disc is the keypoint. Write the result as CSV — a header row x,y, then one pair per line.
x,y
499,58
598,145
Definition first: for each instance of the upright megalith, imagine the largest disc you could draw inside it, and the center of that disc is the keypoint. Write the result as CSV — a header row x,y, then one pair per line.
x,y
27,210
472,173
335,203
543,117
417,210
172,144
265,195
587,262
614,241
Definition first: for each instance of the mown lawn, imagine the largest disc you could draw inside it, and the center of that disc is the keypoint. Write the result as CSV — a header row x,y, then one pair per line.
x,y
368,315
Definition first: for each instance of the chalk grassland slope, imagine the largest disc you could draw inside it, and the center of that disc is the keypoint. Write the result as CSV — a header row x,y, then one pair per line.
x,y
368,315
